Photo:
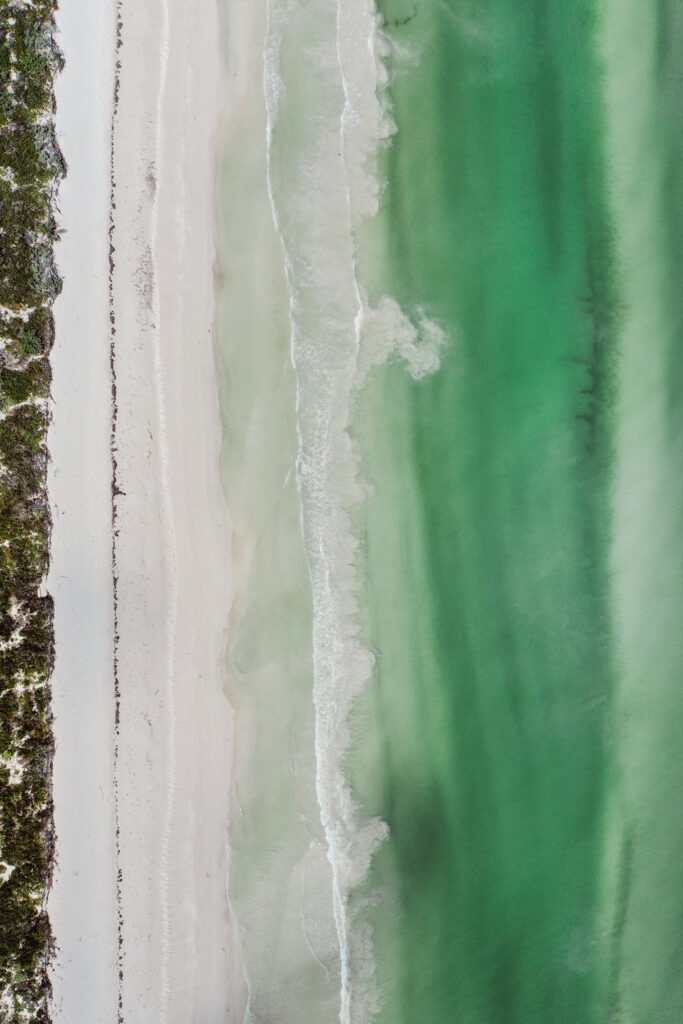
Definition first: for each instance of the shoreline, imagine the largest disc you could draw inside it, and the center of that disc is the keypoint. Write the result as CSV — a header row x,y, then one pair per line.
x,y
280,888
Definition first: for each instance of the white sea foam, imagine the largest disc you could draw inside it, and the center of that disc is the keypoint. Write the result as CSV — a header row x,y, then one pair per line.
x,y
387,332
328,115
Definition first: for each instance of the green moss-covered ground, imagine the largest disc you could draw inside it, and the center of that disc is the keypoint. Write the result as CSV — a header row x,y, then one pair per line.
x,y
30,166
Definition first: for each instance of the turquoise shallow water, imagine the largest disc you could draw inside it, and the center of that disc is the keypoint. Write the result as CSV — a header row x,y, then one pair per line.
x,y
512,543
504,535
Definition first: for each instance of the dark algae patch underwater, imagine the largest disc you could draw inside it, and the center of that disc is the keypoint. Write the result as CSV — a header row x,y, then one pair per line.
x,y
30,167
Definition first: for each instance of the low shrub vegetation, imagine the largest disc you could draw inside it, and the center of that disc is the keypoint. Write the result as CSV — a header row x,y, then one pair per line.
x,y
30,167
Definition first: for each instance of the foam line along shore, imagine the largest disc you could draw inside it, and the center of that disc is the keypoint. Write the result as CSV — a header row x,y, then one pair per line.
x,y
326,118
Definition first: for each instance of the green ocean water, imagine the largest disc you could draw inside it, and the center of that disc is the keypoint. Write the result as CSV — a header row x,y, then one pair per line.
x,y
524,539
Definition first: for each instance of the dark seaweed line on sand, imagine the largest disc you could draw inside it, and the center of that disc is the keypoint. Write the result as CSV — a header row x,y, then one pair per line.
x,y
115,494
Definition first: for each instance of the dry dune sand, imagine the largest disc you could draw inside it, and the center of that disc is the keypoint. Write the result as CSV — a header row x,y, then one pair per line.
x,y
139,553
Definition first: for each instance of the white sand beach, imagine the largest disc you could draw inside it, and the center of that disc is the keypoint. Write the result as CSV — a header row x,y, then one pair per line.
x,y
139,905
82,904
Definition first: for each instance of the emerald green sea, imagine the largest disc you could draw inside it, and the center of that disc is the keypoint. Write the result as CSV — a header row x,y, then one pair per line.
x,y
523,542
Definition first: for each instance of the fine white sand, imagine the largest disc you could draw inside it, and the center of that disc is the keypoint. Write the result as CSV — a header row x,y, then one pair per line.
x,y
82,904
139,904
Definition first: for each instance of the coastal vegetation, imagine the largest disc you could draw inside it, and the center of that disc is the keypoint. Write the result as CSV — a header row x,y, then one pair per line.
x,y
30,168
